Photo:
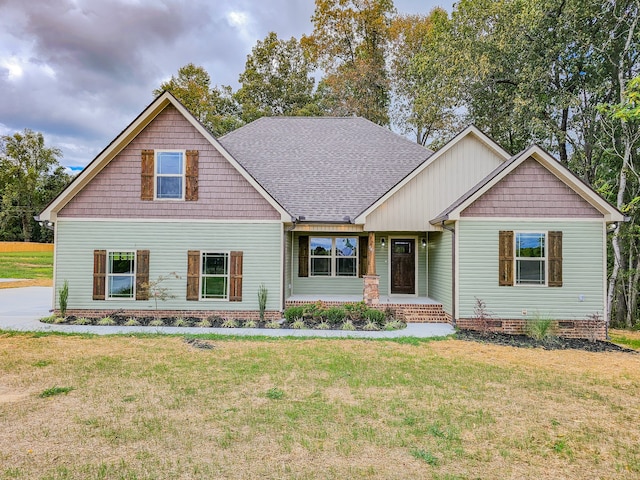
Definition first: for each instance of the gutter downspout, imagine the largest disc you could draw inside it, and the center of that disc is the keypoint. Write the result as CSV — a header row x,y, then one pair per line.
x,y
453,271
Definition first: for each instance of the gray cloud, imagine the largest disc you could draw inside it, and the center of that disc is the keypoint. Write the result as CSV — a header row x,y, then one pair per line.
x,y
81,70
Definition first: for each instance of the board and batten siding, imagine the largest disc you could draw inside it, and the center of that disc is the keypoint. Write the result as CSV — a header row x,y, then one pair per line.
x,y
168,243
435,188
582,291
440,273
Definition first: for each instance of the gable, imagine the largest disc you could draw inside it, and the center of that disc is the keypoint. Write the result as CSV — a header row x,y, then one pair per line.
x,y
530,190
224,193
430,191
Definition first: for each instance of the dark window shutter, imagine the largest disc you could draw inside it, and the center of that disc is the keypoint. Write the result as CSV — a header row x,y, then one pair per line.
x,y
99,274
303,256
142,275
191,177
505,258
146,177
363,250
555,259
235,277
193,275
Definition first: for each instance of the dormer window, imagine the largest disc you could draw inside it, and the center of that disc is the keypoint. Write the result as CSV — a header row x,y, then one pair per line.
x,y
170,174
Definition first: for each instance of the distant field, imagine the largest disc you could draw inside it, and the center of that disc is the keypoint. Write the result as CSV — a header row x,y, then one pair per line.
x,y
37,266
148,407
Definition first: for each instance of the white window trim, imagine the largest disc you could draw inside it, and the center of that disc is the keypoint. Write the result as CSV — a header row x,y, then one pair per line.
x,y
516,258
334,258
135,272
227,275
183,175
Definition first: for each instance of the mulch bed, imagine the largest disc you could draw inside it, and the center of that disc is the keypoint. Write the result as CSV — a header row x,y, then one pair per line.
x,y
555,343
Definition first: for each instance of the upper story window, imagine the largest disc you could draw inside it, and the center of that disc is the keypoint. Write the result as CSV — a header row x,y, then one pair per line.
x,y
170,174
333,256
530,258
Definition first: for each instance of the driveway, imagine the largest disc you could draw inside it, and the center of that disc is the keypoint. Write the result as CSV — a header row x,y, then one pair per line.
x,y
20,309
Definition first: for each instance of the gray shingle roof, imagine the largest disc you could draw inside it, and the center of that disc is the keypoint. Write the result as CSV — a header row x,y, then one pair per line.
x,y
323,168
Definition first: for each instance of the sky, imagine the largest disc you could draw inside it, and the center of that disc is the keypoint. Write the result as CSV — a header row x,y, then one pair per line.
x,y
80,71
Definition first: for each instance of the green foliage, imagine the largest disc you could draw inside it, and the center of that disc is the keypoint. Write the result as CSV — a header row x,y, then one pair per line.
x,y
63,297
335,315
275,393
82,321
106,321
180,322
293,313
156,322
424,455
30,177
50,392
375,316
273,324
49,319
26,265
262,300
203,323
299,324
322,326
230,323
249,324
214,107
394,325
347,325
371,326
132,322
541,328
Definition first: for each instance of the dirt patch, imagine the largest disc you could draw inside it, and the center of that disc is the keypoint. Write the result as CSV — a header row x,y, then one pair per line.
x,y
201,344
35,282
555,343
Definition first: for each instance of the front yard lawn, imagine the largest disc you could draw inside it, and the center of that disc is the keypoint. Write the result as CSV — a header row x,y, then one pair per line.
x,y
155,407
35,266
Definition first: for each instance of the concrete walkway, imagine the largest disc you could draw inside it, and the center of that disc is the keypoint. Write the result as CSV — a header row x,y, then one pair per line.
x,y
20,309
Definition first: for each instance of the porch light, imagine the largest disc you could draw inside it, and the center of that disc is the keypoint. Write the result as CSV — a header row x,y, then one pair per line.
x,y
382,242
424,242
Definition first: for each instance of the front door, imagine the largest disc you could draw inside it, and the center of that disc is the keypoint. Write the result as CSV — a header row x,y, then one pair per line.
x,y
403,266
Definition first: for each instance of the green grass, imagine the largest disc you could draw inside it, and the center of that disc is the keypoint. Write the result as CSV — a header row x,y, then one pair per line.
x,y
151,406
29,265
50,392
627,339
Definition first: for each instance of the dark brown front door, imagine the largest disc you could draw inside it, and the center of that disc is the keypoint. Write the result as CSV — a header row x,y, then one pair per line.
x,y
403,266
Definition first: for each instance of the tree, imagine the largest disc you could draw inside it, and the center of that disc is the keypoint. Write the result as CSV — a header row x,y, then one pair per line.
x,y
31,176
424,94
276,81
349,43
214,107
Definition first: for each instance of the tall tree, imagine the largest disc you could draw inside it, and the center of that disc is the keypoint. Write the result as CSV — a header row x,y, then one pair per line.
x,y
424,94
26,166
214,107
349,43
276,81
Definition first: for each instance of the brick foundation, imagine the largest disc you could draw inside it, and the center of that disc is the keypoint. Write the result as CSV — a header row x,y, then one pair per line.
x,y
226,314
581,328
407,312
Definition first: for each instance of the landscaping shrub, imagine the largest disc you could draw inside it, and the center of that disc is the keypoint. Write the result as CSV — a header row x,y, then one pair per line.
x,y
293,313
541,328
375,316
335,315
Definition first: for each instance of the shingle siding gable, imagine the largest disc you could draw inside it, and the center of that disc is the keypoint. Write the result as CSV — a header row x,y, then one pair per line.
x,y
222,191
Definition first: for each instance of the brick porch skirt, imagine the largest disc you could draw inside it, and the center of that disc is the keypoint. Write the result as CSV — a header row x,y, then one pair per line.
x,y
226,314
583,328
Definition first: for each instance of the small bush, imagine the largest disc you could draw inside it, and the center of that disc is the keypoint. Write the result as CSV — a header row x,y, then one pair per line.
x,y
347,325
230,323
273,324
293,313
314,310
374,315
394,325
204,323
180,322
156,323
371,326
82,321
541,328
262,300
106,321
355,311
299,324
49,319
132,322
335,315
322,326
63,297
249,324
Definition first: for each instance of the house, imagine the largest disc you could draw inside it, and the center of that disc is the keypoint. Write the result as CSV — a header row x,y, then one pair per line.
x,y
332,209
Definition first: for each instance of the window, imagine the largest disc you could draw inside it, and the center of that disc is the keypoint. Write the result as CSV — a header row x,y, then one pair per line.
x,y
530,256
169,171
214,276
334,257
121,275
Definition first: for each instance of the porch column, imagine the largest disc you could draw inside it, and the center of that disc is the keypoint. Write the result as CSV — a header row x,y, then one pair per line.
x,y
371,292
